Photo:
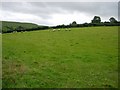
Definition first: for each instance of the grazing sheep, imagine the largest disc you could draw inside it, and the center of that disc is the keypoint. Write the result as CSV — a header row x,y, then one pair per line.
x,y
58,29
66,29
54,30
69,29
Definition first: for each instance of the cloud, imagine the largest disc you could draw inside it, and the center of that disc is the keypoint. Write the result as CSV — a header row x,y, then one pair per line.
x,y
54,13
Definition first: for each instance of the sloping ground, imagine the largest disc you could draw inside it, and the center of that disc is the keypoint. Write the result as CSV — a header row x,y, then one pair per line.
x,y
80,58
8,25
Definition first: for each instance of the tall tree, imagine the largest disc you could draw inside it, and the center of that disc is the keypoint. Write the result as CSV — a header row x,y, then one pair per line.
x,y
74,24
96,19
112,20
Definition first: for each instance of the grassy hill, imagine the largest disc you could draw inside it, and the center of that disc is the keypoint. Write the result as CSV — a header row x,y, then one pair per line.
x,y
8,26
80,58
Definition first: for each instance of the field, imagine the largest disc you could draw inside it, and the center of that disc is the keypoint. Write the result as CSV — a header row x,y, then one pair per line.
x,y
80,58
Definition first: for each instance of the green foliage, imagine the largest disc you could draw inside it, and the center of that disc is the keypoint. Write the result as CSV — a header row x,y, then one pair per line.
x,y
81,58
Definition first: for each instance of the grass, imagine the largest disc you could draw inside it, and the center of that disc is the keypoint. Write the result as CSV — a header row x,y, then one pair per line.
x,y
80,58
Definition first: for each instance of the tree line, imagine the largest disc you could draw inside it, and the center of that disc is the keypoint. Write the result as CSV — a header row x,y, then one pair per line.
x,y
95,22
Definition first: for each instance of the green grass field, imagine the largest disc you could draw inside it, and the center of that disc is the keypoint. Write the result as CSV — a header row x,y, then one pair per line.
x,y
80,58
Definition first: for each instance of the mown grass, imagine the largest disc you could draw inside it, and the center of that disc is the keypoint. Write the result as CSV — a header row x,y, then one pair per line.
x,y
80,58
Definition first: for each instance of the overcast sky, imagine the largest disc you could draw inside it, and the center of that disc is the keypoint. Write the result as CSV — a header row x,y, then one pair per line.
x,y
57,13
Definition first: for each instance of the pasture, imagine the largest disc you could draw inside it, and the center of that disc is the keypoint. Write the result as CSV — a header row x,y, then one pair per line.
x,y
80,58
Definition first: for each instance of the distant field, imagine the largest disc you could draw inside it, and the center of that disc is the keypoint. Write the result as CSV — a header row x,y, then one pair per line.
x,y
9,25
80,58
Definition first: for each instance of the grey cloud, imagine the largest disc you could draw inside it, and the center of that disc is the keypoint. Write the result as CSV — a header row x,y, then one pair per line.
x,y
46,9
37,8
99,8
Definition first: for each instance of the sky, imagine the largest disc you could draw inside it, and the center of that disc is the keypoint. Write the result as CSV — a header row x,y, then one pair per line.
x,y
57,13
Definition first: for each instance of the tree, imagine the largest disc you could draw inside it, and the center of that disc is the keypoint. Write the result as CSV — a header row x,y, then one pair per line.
x,y
74,24
62,25
96,19
112,20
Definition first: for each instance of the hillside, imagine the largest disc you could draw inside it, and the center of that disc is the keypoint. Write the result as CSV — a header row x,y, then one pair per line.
x,y
8,26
